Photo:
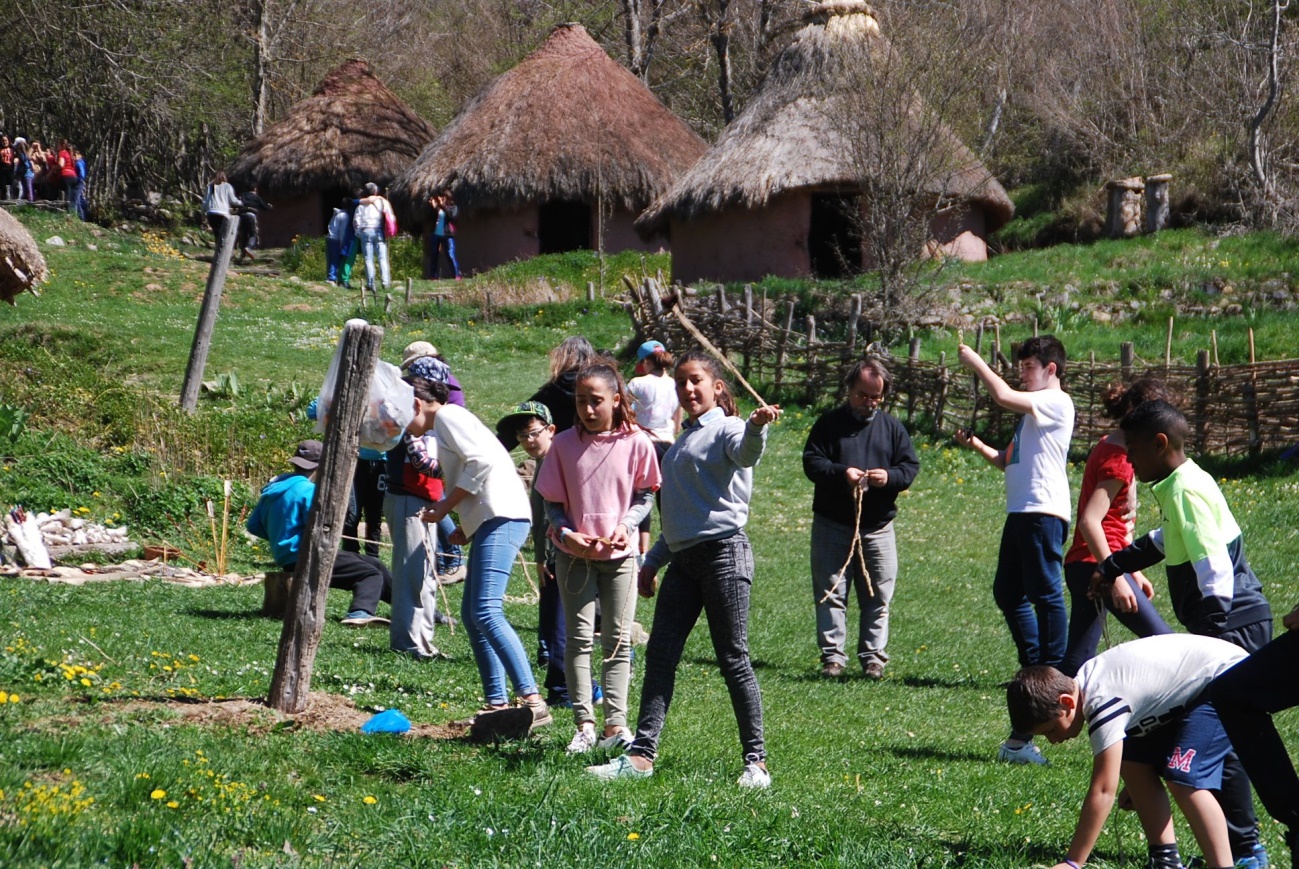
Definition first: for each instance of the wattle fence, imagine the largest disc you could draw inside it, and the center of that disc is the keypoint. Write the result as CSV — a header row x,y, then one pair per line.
x,y
1233,409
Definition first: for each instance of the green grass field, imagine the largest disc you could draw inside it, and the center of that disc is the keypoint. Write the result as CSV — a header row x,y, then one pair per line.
x,y
99,765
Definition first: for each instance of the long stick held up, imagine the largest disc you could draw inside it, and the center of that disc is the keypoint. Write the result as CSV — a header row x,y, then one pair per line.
x,y
673,303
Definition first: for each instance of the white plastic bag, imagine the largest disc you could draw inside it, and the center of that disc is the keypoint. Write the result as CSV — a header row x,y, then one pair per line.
x,y
388,410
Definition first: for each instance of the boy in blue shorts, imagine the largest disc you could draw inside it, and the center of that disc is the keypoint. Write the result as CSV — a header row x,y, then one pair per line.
x,y
1147,716
1029,585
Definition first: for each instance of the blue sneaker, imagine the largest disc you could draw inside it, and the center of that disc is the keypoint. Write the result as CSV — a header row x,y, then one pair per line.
x,y
1260,854
597,695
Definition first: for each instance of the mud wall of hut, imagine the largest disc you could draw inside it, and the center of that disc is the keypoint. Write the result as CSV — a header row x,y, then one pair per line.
x,y
290,217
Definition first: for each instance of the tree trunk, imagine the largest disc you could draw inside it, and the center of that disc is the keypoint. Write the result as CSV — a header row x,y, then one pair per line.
x,y
305,619
261,65
720,37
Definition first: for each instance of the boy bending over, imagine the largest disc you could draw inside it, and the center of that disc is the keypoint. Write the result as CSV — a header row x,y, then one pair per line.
x,y
1146,715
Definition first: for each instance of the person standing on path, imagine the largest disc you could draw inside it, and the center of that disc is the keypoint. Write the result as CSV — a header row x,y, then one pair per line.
x,y
860,459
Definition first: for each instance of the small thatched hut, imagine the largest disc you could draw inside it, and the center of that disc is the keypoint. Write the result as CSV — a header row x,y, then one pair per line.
x,y
21,265
780,191
350,131
565,146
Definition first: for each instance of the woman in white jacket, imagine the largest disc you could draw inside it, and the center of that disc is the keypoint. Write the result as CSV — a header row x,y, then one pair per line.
x,y
369,222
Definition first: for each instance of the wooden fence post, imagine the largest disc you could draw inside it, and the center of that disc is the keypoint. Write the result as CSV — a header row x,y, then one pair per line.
x,y
748,304
1251,403
854,315
913,362
1127,356
410,286
810,379
207,316
590,291
940,405
783,344
1168,345
305,619
1203,371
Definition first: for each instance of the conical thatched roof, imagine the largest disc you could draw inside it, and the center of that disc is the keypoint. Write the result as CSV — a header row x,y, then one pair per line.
x,y
565,123
351,130
793,134
21,265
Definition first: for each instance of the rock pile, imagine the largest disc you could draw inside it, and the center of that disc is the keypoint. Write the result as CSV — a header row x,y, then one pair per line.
x,y
64,529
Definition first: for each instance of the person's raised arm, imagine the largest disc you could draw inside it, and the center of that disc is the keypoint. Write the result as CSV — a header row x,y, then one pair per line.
x,y
991,455
1001,391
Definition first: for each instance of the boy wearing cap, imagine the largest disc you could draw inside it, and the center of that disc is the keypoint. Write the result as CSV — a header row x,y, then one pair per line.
x,y
280,517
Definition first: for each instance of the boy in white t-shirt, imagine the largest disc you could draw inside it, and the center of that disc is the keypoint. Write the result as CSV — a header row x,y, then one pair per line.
x,y
1148,717
1029,586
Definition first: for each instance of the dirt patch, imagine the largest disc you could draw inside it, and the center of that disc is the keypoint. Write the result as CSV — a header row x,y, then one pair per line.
x,y
297,306
325,713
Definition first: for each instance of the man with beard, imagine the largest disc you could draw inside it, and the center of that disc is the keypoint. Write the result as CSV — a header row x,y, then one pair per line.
x,y
859,458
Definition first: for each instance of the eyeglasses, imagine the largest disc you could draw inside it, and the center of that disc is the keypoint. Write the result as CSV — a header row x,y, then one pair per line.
x,y
531,434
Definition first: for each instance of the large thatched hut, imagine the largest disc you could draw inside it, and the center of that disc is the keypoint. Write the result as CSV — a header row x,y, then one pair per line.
x,y
780,193
350,131
563,148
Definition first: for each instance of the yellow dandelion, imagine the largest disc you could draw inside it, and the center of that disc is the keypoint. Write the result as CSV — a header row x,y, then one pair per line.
x,y
369,800
158,794
14,698
320,798
172,804
632,837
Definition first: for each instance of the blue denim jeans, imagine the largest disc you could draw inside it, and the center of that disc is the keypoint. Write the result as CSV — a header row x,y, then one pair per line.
x,y
372,241
497,648
1029,586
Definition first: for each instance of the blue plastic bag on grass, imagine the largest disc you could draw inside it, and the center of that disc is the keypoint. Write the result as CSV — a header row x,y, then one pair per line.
x,y
388,721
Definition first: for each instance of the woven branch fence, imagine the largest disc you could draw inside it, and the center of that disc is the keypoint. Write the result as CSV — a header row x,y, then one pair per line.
x,y
1232,409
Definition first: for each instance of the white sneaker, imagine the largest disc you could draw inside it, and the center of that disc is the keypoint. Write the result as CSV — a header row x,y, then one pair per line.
x,y
1026,753
583,741
620,767
754,776
620,740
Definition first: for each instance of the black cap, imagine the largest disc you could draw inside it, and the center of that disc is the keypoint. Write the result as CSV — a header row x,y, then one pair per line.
x,y
307,456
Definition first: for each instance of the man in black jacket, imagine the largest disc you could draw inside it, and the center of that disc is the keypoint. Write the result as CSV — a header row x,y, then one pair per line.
x,y
859,459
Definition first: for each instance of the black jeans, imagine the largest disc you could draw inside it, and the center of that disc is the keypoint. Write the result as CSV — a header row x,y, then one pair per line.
x,y
1246,696
1235,797
1086,623
367,578
367,490
714,577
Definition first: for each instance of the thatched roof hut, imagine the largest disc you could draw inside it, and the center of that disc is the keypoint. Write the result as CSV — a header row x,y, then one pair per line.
x,y
21,265
350,131
797,139
535,155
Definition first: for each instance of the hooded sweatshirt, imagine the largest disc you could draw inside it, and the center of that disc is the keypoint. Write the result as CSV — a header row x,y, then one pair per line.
x,y
281,515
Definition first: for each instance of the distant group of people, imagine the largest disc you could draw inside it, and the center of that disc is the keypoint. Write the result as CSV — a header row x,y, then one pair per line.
x,y
30,171
221,203
360,224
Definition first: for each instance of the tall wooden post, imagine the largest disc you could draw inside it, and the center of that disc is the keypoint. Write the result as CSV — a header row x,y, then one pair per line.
x,y
940,404
1202,374
305,619
207,315
783,344
913,362
854,315
1127,356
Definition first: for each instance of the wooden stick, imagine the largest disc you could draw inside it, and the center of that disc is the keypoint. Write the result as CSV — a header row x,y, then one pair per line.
x,y
708,345
1168,345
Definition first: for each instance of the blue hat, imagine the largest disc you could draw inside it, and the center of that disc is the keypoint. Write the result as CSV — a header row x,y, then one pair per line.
x,y
647,349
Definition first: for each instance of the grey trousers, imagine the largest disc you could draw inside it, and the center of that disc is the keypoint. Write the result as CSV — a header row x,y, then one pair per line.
x,y
581,581
414,601
830,545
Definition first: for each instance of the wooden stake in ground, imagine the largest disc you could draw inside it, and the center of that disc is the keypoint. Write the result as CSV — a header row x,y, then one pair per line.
x,y
305,619
207,315
673,303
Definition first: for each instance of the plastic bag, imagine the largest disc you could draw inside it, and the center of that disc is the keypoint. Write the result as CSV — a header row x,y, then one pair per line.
x,y
389,408
389,223
388,721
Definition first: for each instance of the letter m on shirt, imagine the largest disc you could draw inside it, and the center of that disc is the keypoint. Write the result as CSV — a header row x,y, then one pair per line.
x,y
1180,760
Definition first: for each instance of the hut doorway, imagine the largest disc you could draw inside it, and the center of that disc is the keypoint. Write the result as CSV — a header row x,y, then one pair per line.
x,y
563,225
834,235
